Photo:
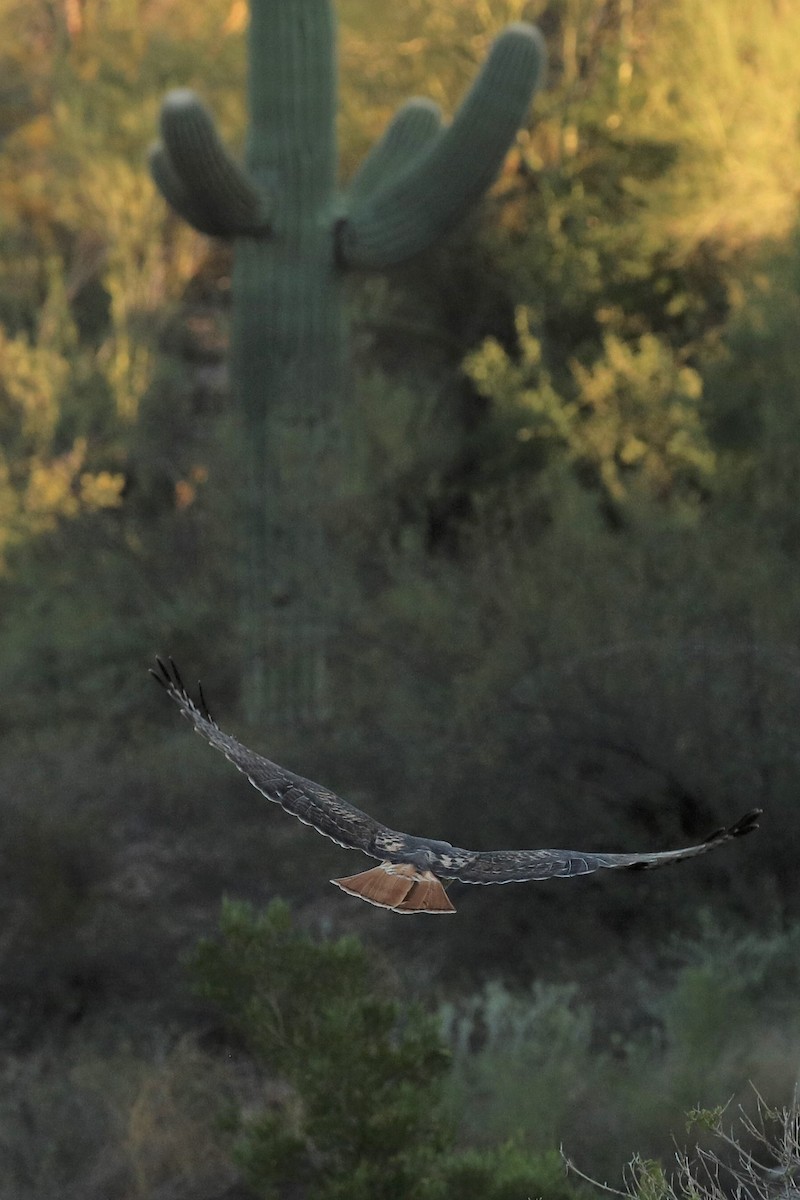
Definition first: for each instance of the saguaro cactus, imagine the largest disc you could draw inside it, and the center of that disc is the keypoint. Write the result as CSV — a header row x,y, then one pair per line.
x,y
295,237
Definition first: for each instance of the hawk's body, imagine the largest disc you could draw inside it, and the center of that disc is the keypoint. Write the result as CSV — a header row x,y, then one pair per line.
x,y
409,878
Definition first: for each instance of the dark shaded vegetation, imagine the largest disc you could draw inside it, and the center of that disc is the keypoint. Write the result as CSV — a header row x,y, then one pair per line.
x,y
358,1107
571,615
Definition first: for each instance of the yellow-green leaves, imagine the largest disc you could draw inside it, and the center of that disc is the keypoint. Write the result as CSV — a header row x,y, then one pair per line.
x,y
43,475
631,416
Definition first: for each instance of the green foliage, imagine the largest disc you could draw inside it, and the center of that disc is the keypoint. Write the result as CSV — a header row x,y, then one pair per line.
x,y
629,420
43,475
356,1076
507,1173
540,1069
601,636
94,1116
649,1179
537,1044
731,989
360,1117
751,390
87,265
733,113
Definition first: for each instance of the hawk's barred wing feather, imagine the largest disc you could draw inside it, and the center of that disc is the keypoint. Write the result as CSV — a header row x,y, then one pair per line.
x,y
308,801
520,866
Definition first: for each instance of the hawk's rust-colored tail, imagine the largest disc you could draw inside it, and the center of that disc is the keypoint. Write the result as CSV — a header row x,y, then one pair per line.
x,y
400,887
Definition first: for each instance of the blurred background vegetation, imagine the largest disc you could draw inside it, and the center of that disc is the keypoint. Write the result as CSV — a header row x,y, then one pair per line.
x,y
574,530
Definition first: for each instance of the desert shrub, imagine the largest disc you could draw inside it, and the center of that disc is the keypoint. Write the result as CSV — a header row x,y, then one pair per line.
x,y
522,1063
758,1156
104,1117
507,1173
51,1129
629,421
358,1117
354,1076
543,1068
730,1016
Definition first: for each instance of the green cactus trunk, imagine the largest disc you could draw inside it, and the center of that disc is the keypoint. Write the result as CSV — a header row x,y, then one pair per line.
x,y
287,356
294,241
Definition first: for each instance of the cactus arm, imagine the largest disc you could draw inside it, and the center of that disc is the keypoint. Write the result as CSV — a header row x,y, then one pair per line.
x,y
191,208
411,211
197,174
410,132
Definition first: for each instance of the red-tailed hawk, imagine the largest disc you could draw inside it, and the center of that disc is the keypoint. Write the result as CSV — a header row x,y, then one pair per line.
x,y
409,878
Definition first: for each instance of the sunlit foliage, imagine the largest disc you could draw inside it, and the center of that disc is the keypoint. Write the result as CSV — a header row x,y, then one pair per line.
x,y
630,419
574,528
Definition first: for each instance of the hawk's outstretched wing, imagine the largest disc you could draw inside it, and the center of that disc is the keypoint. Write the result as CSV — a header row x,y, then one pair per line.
x,y
519,866
409,876
308,801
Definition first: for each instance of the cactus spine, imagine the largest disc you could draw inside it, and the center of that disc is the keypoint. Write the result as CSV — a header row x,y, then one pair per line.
x,y
294,240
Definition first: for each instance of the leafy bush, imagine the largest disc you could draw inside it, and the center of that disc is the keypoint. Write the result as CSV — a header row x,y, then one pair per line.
x,y
542,1070
507,1173
360,1113
521,1062
355,1100
628,420
83,1121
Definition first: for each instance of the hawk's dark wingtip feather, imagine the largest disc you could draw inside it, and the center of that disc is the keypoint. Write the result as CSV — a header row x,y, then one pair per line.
x,y
170,679
176,678
203,705
161,675
746,824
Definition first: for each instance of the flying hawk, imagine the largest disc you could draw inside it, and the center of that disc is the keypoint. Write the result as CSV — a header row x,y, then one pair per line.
x,y
409,878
